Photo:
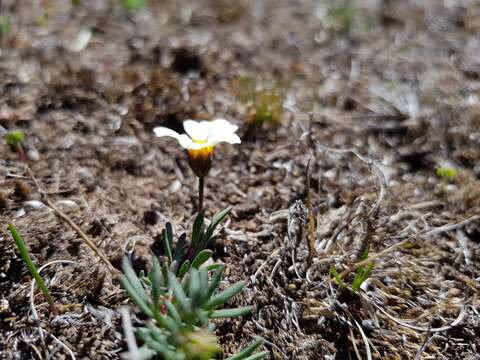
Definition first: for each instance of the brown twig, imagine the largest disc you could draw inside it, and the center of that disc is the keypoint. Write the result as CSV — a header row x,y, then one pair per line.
x,y
310,217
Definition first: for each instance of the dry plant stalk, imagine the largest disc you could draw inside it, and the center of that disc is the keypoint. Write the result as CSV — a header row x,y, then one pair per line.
x,y
310,217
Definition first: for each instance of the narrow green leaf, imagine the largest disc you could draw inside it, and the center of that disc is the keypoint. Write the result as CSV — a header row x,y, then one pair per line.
x,y
230,313
203,281
31,266
216,220
168,228
136,297
156,280
184,269
257,356
215,282
201,257
172,311
167,246
225,295
337,277
197,231
180,296
247,351
365,253
180,248
194,288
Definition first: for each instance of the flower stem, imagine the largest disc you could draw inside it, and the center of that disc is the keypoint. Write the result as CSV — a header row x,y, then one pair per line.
x,y
201,185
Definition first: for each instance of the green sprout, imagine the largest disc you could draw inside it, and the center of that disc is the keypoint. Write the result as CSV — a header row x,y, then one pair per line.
x,y
133,5
447,174
362,274
31,267
15,140
5,25
342,16
181,310
264,103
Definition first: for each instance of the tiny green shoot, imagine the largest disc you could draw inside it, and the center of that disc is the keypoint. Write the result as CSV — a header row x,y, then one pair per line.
x,y
14,138
343,16
5,25
362,274
31,267
133,5
447,174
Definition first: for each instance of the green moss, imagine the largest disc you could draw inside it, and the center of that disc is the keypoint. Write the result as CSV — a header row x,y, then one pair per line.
x,y
14,138
264,103
447,174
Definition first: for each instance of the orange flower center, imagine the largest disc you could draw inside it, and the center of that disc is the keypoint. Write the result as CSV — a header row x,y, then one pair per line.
x,y
200,160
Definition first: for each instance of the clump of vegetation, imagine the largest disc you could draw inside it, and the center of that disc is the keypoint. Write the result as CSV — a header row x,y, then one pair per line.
x,y
263,102
180,311
133,5
362,273
183,257
342,16
5,25
447,174
180,296
15,140
24,254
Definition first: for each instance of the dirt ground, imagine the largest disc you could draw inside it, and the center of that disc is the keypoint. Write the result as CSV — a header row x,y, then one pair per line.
x,y
378,95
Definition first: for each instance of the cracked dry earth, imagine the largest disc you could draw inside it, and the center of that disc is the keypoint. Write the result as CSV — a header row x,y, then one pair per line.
x,y
378,96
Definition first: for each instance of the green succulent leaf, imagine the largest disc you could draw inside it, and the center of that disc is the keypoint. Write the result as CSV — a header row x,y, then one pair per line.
x,y
230,313
198,226
201,257
247,351
134,287
225,295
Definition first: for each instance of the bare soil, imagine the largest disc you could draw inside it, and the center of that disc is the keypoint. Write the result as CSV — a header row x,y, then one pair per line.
x,y
377,99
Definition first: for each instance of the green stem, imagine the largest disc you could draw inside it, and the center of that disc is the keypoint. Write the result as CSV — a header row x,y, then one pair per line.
x,y
201,185
31,267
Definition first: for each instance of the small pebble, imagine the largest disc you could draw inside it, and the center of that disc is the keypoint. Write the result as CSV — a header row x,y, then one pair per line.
x,y
66,204
454,292
34,205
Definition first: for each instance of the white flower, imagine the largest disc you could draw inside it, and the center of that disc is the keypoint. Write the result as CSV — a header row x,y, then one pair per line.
x,y
202,134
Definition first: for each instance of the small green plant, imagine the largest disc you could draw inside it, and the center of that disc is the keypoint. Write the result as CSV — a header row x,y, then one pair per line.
x,y
264,103
5,25
342,16
22,249
15,140
447,174
133,5
181,310
183,257
362,274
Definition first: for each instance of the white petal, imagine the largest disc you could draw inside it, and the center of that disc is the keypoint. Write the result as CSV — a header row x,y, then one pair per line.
x,y
187,143
223,124
230,138
197,130
163,131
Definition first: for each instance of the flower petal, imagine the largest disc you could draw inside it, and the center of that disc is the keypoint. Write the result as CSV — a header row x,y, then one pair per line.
x,y
197,130
161,131
188,143
230,138
223,124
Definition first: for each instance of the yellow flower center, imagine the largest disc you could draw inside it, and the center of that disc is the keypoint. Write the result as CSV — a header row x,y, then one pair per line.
x,y
201,160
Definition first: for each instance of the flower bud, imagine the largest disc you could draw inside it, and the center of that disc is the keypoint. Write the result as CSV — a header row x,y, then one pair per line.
x,y
200,160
